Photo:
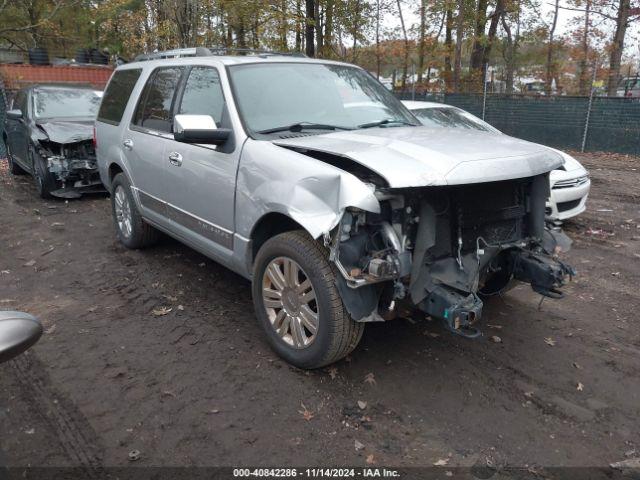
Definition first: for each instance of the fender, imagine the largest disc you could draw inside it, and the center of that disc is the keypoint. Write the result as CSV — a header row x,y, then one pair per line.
x,y
311,192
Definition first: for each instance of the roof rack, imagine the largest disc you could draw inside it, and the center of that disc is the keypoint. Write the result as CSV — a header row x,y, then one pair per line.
x,y
211,51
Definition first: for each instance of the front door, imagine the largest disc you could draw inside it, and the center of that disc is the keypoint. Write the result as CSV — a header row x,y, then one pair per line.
x,y
17,137
202,178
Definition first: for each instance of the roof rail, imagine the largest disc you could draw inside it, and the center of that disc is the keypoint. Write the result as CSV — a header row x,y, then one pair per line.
x,y
176,53
210,51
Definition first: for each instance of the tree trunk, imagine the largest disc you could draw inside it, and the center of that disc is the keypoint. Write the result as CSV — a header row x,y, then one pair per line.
x,y
493,29
457,63
318,25
447,48
550,66
405,64
617,46
378,39
310,28
298,25
477,52
327,41
423,32
583,83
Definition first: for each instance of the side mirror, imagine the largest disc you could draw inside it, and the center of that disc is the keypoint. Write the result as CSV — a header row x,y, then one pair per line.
x,y
18,332
199,129
15,114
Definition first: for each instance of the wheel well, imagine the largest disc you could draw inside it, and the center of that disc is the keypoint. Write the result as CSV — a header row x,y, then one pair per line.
x,y
114,169
270,225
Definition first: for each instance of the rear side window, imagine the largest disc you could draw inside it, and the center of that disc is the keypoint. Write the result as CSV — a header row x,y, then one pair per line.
x,y
203,94
116,97
154,108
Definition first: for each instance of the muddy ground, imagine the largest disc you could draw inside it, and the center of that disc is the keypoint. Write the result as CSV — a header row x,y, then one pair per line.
x,y
199,385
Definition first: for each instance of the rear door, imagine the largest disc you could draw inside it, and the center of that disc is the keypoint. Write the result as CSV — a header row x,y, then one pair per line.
x,y
202,183
145,140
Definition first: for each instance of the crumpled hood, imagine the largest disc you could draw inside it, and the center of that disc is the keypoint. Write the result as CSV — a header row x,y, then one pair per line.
x,y
422,156
62,131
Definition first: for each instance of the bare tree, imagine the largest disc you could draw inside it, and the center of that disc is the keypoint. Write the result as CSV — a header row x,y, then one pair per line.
x,y
617,46
405,63
550,66
309,32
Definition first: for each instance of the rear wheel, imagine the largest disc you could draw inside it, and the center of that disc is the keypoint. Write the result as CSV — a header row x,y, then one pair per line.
x,y
297,302
131,229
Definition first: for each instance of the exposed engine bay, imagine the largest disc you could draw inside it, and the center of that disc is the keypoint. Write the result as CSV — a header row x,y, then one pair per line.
x,y
74,167
442,249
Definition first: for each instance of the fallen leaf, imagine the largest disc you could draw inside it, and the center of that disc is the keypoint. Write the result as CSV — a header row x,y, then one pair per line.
x,y
30,263
441,463
51,329
495,339
362,405
180,307
306,413
370,459
171,298
370,378
549,341
161,311
358,445
497,327
30,431
576,365
333,372
580,387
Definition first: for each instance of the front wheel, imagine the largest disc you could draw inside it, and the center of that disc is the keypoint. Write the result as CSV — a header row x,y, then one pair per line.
x,y
298,305
43,178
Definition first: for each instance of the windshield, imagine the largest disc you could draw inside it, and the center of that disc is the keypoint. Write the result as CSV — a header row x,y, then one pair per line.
x,y
316,96
66,103
450,118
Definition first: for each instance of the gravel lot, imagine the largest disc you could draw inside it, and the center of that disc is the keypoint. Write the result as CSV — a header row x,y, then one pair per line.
x,y
199,385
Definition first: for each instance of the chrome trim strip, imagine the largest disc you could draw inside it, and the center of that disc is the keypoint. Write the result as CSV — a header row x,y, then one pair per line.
x,y
202,227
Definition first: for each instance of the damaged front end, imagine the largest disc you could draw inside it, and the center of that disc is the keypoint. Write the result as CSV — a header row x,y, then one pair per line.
x,y
442,249
72,166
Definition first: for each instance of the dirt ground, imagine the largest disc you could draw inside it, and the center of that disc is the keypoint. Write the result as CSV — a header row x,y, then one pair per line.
x,y
199,385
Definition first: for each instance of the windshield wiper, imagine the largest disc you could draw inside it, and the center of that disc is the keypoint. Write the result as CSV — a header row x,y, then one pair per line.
x,y
386,121
299,126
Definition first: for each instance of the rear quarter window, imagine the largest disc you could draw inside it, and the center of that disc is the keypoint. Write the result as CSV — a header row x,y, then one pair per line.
x,y
117,95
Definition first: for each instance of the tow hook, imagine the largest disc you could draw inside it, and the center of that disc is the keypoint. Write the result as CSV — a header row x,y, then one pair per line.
x,y
459,311
545,274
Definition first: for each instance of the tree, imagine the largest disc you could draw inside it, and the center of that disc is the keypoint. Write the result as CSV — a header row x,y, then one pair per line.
x,y
550,67
310,28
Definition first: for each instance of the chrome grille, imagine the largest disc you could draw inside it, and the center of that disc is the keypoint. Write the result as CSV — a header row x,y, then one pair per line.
x,y
572,182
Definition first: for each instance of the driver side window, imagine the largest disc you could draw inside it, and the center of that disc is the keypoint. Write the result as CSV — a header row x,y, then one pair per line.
x,y
203,95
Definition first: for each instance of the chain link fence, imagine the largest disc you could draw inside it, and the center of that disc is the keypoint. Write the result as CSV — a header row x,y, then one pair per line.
x,y
609,124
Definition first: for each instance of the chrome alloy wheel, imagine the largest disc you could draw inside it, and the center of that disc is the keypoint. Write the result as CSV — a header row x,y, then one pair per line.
x,y
290,302
123,211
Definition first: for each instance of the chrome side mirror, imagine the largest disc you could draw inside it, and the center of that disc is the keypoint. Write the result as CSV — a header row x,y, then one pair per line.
x,y
15,114
18,332
199,129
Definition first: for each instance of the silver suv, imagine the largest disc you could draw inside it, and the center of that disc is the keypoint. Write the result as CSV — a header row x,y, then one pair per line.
x,y
310,178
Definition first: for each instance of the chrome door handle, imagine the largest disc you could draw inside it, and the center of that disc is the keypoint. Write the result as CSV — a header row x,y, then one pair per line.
x,y
128,144
175,159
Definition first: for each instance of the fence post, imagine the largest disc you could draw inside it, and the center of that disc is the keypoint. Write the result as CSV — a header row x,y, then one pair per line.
x,y
484,89
586,123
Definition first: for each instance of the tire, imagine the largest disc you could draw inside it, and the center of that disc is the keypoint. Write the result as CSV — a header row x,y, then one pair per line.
x,y
336,333
136,233
14,168
44,180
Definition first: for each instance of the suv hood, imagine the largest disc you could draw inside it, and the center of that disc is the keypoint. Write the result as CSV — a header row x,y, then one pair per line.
x,y
422,156
65,131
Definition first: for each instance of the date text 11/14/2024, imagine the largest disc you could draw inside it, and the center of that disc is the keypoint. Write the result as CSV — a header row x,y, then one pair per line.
x,y
316,472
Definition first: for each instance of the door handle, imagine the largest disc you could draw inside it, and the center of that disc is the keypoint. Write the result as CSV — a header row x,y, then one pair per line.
x,y
175,159
128,144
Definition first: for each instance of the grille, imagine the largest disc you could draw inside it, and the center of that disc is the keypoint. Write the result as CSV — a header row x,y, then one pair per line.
x,y
573,182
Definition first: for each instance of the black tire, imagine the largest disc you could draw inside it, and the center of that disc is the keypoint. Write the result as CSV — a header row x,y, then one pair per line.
x,y
44,180
337,334
142,234
14,168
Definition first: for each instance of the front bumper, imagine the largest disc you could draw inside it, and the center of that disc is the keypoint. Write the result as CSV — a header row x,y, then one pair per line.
x,y
76,176
568,202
